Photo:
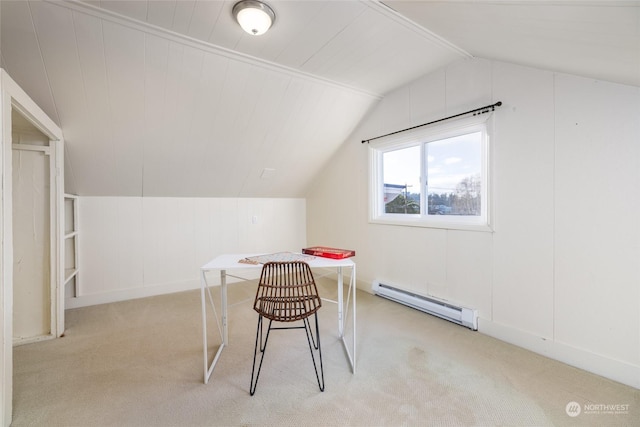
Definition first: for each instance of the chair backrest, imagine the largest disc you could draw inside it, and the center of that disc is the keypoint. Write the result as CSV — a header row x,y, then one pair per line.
x,y
287,291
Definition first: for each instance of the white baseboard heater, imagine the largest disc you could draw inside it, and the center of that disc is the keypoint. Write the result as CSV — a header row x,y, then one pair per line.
x,y
461,315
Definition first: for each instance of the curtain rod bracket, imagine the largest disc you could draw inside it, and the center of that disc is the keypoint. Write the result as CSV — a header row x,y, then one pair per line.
x,y
476,112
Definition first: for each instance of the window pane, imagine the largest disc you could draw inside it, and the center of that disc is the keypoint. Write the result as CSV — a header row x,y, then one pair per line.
x,y
454,175
401,178
433,178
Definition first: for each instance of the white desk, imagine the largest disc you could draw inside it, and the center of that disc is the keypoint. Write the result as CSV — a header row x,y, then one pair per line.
x,y
230,262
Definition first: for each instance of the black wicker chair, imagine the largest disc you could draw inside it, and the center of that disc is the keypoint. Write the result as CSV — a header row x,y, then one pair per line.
x,y
287,292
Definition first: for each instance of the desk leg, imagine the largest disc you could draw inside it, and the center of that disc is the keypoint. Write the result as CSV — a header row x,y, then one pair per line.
x,y
352,286
340,304
203,285
223,297
351,293
204,292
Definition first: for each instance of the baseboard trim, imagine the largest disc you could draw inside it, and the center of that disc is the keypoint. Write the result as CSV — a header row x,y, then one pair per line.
x,y
146,291
129,294
616,370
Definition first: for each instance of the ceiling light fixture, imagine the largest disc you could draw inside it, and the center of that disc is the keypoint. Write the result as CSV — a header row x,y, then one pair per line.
x,y
254,16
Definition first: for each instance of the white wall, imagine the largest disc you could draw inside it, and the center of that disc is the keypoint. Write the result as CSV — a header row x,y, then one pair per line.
x,y
139,246
559,274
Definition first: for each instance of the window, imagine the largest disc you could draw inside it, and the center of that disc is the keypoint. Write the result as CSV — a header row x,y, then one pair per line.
x,y
437,177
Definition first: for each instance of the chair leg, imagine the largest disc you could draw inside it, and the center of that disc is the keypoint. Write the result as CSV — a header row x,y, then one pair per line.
x,y
317,347
313,341
263,347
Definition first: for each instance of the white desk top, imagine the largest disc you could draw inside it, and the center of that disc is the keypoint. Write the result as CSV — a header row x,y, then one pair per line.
x,y
232,262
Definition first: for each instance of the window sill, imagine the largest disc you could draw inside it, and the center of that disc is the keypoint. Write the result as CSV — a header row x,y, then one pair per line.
x,y
439,224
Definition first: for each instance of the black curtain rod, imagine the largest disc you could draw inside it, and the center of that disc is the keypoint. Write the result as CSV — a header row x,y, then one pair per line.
x,y
476,112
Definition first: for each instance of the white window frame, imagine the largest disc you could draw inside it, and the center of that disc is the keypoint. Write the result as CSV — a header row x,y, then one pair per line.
x,y
415,137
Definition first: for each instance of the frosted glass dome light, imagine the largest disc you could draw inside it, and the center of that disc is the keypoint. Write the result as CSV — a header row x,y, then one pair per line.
x,y
254,16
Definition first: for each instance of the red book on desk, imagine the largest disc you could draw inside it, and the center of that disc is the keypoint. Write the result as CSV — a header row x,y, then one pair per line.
x,y
327,252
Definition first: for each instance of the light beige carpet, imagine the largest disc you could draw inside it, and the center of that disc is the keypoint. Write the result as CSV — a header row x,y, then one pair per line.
x,y
140,363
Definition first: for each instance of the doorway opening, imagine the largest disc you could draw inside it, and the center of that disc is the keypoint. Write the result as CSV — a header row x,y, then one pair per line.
x,y
34,282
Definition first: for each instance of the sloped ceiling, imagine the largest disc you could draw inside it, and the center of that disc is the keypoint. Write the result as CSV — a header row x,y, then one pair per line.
x,y
172,98
597,39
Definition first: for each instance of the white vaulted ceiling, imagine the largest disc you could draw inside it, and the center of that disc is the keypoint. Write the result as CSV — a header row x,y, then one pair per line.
x,y
597,39
172,98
